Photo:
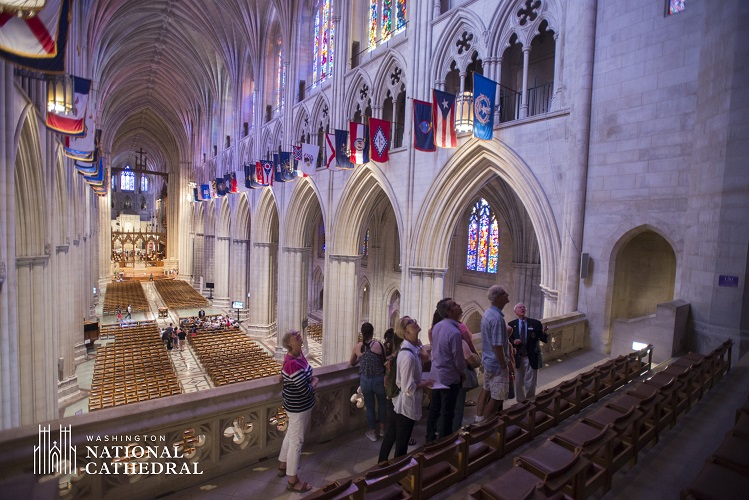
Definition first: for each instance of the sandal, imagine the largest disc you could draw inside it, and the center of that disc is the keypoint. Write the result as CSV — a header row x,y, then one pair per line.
x,y
281,472
299,487
412,442
470,403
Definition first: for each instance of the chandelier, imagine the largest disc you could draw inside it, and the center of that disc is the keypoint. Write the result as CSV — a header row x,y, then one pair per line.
x,y
22,8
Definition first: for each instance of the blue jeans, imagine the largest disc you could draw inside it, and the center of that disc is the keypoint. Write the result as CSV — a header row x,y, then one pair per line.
x,y
371,388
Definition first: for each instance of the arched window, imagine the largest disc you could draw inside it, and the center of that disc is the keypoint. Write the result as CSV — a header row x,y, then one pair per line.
x,y
280,77
143,184
113,180
386,17
365,244
322,64
127,179
128,204
483,239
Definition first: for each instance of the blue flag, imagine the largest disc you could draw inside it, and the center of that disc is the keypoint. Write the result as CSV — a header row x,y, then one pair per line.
x,y
341,150
484,91
220,186
423,126
205,191
287,166
195,194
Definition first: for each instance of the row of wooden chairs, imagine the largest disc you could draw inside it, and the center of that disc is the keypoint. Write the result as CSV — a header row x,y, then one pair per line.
x,y
111,331
120,294
178,294
583,458
231,357
314,330
135,367
438,466
726,471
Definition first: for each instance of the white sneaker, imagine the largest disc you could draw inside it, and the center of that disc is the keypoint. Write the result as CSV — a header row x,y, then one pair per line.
x,y
372,435
382,432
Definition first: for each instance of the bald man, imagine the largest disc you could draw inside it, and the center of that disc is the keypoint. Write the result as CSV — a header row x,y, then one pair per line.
x,y
526,334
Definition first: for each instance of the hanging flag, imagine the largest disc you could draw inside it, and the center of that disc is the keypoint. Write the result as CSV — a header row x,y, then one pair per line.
x,y
287,167
359,146
484,91
309,158
296,152
444,119
423,127
265,171
96,179
86,169
37,42
82,147
233,183
249,175
73,123
220,186
341,150
195,194
379,138
205,191
330,149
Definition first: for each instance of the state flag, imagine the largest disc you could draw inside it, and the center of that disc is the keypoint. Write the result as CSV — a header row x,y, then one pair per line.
x,y
484,91
309,158
359,146
233,187
82,147
220,186
287,168
341,150
330,149
37,42
264,169
423,126
205,192
73,123
444,119
379,138
195,194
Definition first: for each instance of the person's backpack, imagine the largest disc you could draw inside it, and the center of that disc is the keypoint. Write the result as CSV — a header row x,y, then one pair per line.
x,y
391,369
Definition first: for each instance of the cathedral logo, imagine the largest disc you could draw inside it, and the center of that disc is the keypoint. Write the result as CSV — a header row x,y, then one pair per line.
x,y
482,109
54,457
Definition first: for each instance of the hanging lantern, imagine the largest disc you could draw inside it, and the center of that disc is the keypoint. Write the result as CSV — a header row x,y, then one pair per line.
x,y
464,112
60,94
22,8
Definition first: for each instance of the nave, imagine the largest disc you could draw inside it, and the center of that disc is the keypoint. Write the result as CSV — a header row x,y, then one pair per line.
x,y
663,470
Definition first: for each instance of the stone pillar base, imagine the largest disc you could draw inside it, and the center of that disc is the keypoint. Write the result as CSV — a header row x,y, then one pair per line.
x,y
79,351
68,390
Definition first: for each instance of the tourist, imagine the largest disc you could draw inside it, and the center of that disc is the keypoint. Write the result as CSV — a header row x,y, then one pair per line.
x,y
369,354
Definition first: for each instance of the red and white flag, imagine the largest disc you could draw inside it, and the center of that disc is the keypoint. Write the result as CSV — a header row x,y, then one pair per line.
x,y
309,158
359,143
36,42
443,107
74,122
330,150
379,139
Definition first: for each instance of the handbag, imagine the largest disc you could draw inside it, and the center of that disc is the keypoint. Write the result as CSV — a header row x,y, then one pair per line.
x,y
472,379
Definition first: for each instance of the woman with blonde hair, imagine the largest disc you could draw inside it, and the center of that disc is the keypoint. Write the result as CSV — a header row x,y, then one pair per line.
x,y
298,399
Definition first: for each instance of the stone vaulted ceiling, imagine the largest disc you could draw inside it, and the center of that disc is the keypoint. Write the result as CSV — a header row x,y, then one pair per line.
x,y
160,68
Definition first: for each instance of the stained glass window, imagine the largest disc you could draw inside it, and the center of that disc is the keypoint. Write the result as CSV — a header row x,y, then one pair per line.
x,y
400,14
280,78
143,184
127,180
676,6
322,65
373,23
387,18
113,182
365,244
482,252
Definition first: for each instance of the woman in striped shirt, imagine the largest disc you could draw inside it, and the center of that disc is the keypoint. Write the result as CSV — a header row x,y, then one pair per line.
x,y
298,399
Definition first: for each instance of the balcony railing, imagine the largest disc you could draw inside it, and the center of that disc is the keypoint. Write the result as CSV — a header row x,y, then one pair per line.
x,y
510,101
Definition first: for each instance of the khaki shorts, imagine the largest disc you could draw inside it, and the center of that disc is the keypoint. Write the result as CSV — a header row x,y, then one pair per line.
x,y
497,384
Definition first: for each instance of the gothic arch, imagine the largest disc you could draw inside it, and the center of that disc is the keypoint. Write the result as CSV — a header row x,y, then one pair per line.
x,y
359,92
457,182
31,210
302,124
302,214
210,218
266,218
451,45
224,217
61,199
362,192
320,112
242,218
507,22
387,79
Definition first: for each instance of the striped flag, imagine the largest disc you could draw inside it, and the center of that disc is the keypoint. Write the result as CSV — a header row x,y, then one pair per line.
x,y
359,145
75,122
443,107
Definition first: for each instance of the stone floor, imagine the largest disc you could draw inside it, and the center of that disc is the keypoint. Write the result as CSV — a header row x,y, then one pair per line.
x,y
662,471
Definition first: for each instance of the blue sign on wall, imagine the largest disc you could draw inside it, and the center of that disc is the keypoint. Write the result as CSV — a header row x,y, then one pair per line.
x,y
729,281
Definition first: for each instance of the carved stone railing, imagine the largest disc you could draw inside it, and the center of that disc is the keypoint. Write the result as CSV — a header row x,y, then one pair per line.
x,y
205,434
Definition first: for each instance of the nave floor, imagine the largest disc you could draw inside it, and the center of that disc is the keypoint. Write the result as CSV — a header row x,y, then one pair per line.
x,y
662,471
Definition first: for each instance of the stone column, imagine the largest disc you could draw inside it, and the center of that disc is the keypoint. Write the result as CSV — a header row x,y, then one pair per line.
x,y
239,267
222,267
209,252
556,94
524,101
198,259
339,314
425,290
68,271
293,287
526,279
262,301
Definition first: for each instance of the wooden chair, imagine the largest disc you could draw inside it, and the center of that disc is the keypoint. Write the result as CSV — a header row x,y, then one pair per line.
x,y
483,443
516,484
732,453
336,491
518,426
385,481
626,424
440,466
570,398
716,481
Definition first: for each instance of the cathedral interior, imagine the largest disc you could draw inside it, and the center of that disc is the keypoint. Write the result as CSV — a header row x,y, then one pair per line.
x,y
600,183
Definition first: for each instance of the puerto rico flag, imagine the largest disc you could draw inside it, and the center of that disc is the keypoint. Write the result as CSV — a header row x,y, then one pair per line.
x,y
264,169
38,42
423,126
444,119
359,146
379,138
330,149
74,123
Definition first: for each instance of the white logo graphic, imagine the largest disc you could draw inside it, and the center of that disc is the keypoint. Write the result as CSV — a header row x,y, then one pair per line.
x,y
380,141
58,456
482,109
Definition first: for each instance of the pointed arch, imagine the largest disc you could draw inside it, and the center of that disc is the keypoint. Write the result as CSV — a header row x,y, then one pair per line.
x,y
456,183
448,49
302,215
242,218
359,92
384,80
505,23
224,217
266,218
302,124
31,222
